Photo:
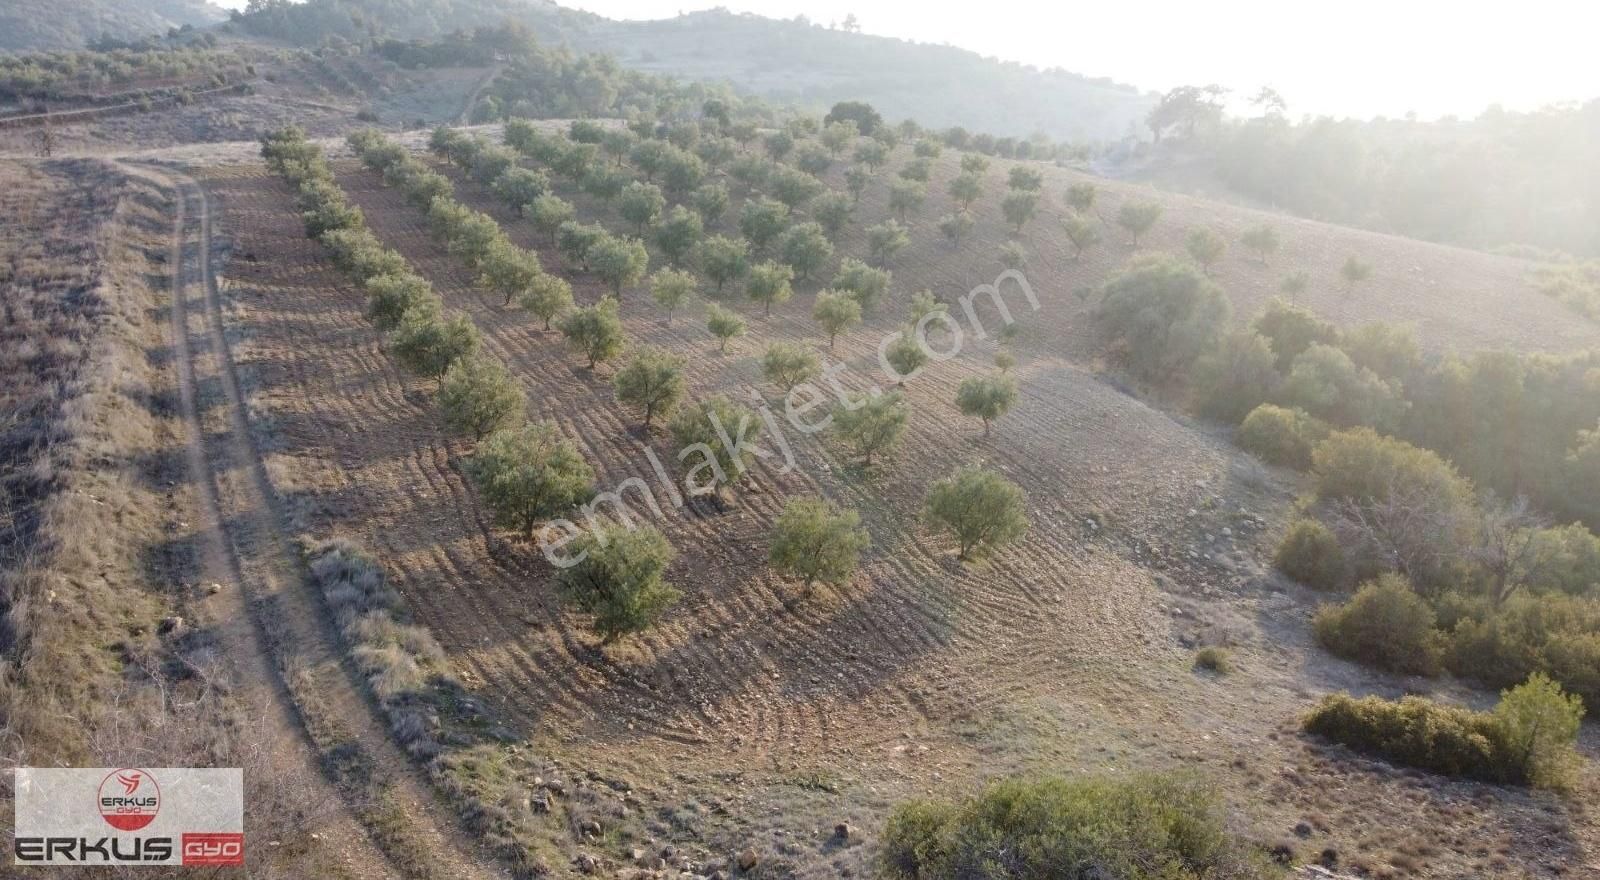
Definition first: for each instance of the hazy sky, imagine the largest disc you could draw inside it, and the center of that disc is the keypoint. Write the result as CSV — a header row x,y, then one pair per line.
x,y
1355,57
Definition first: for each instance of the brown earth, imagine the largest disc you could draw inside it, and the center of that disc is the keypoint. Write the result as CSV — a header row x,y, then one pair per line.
x,y
737,722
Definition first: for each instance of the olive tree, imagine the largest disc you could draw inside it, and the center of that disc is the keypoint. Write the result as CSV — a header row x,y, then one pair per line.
x,y
986,397
619,262
652,381
705,435
547,298
1081,231
805,249
769,284
981,509
640,204
886,239
723,324
1080,197
679,234
1137,217
836,311
966,189
390,297
762,221
956,226
595,331
1019,207
528,474
787,364
724,259
1262,239
871,424
509,270
427,344
477,396
671,288
1024,179
905,355
710,201
518,187
832,211
1205,247
619,578
548,212
866,284
816,542
906,196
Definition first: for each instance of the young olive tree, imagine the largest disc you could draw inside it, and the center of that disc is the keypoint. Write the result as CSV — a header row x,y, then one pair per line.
x,y
871,424
724,324
815,542
652,381
478,396
980,508
787,364
619,579
671,288
528,474
987,398
595,331
837,311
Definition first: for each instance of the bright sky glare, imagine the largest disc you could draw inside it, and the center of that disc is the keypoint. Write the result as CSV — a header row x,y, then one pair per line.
x,y
1350,58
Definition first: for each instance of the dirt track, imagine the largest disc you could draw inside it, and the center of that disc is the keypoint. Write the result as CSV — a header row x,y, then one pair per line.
x,y
269,617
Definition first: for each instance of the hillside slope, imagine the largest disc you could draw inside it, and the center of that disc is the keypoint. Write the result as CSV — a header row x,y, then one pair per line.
x,y
38,25
938,86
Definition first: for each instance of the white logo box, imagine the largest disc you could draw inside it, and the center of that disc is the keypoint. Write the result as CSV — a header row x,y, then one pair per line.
x,y
78,816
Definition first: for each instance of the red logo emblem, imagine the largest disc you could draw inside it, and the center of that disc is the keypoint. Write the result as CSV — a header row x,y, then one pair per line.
x,y
129,799
213,849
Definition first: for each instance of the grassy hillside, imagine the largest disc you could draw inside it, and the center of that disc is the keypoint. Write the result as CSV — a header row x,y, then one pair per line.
x,y
38,25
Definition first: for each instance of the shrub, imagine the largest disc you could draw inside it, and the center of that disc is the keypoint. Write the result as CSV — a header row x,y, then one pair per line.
x,y
1281,436
1527,740
1235,378
982,509
1290,330
619,579
1387,625
1214,659
1361,465
528,474
1310,554
1552,633
477,396
1324,381
1167,827
815,541
986,397
1163,314
652,381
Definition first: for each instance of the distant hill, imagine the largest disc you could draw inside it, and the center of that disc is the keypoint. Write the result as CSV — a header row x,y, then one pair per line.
x,y
43,25
938,86
788,61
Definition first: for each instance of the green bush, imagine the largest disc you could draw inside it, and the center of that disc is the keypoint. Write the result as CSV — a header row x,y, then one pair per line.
x,y
1281,436
1291,329
1325,382
1144,828
1552,633
1162,314
1235,377
1362,465
1310,554
1527,740
1387,625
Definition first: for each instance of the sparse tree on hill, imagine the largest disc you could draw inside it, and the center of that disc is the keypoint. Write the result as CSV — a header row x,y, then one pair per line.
x,y
1013,256
906,196
518,187
805,249
509,270
966,189
595,331
871,424
548,212
619,579
872,154
980,508
619,262
1080,198
724,259
651,381
838,135
1018,207
427,345
1354,271
1205,247
832,211
928,148
1262,239
918,170
815,541
778,144
528,474
762,221
1024,179
866,284
751,172
924,303
648,156
1138,217
679,233
769,284
1294,284
723,324
711,202
617,143
855,181
640,204
794,188
682,172
987,398
671,288
787,364
1081,231
956,227
906,355
703,428
885,240
1004,361
812,159
974,163
478,396
836,311
548,297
